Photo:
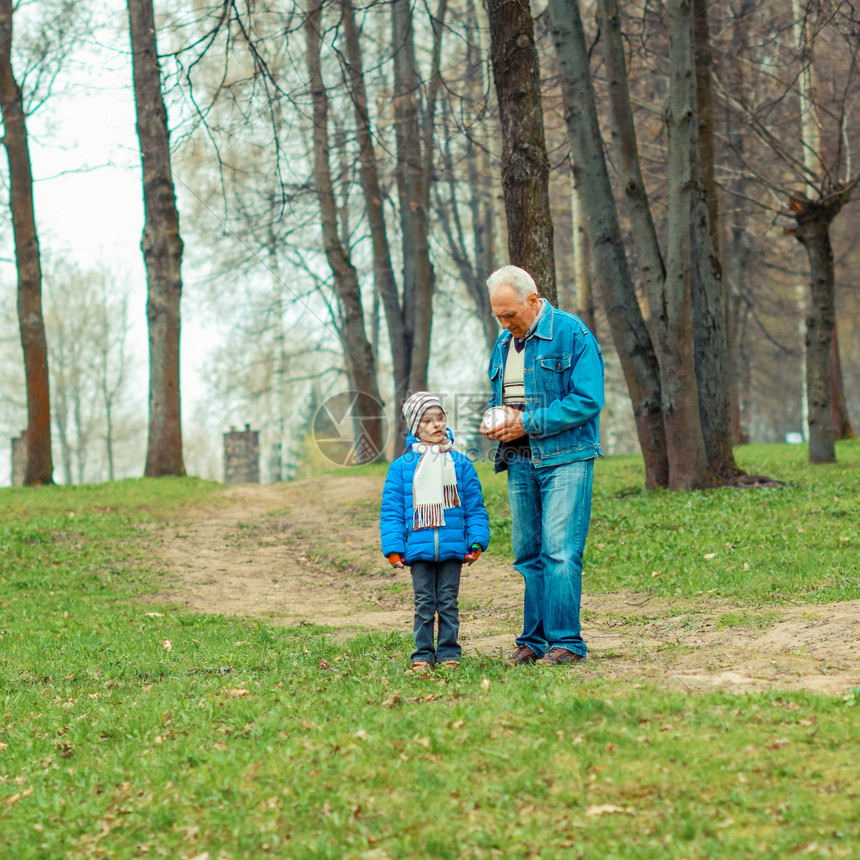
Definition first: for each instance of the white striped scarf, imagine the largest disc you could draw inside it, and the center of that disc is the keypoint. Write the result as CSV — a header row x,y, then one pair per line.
x,y
434,485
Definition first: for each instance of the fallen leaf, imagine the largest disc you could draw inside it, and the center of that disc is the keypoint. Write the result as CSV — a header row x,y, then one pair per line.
x,y
154,614
324,664
425,742
655,573
777,743
485,684
235,694
166,644
710,555
609,809
14,798
746,565
362,734
3,746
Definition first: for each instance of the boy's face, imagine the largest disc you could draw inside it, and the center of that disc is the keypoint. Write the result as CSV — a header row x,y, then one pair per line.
x,y
432,426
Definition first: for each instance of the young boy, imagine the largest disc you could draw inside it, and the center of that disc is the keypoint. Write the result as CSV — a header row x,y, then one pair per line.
x,y
432,520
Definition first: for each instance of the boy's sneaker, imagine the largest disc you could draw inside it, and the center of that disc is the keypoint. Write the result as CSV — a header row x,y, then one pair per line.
x,y
450,665
422,667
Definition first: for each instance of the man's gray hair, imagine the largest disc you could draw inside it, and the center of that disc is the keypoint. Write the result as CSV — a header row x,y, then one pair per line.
x,y
518,279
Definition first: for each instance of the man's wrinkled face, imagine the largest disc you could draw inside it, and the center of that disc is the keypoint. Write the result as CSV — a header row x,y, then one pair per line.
x,y
512,312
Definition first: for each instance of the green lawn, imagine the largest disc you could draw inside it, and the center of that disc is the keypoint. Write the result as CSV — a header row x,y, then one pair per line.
x,y
126,733
798,542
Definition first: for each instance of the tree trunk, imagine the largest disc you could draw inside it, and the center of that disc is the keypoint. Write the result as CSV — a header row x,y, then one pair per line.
x,y
525,164
813,232
629,333
414,193
651,267
472,269
688,463
358,352
162,249
713,366
583,293
31,322
737,243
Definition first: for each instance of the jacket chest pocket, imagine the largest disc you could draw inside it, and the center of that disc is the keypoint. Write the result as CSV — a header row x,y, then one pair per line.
x,y
553,374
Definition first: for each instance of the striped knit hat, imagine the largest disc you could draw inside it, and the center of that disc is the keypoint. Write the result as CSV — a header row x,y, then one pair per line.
x,y
415,406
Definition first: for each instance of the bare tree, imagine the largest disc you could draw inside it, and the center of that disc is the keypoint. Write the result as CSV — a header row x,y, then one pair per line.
x,y
31,321
162,248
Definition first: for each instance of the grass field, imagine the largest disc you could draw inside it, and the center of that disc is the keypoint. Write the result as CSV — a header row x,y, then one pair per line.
x,y
127,732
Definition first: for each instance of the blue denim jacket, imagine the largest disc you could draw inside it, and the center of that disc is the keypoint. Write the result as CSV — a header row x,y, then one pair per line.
x,y
564,389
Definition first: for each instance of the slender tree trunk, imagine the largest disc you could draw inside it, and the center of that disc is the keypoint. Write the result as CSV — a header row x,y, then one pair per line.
x,y
841,423
279,371
61,416
629,333
688,463
738,251
481,205
31,322
162,249
525,164
471,268
583,293
358,351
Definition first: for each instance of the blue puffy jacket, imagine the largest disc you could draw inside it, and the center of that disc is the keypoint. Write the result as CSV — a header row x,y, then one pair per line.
x,y
465,525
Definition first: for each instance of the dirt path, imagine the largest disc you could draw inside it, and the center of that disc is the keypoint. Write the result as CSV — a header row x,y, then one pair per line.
x,y
308,551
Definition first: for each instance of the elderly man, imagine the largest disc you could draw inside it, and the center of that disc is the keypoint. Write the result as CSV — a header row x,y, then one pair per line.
x,y
546,370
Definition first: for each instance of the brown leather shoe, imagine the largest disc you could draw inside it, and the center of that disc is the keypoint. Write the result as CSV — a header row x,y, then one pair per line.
x,y
560,656
522,655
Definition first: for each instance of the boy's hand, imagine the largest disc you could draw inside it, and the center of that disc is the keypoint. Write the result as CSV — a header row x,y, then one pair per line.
x,y
395,559
472,555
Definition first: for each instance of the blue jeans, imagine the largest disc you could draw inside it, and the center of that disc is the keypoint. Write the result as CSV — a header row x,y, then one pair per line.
x,y
550,514
436,585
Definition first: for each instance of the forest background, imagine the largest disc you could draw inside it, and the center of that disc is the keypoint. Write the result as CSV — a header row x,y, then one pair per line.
x,y
264,314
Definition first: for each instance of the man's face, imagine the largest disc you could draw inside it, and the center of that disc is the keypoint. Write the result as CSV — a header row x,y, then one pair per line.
x,y
432,426
512,312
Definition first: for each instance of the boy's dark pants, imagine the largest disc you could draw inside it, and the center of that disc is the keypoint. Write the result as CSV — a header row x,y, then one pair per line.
x,y
436,585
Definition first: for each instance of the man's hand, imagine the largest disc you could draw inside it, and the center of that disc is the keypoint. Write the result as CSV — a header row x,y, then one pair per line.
x,y
395,559
510,429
